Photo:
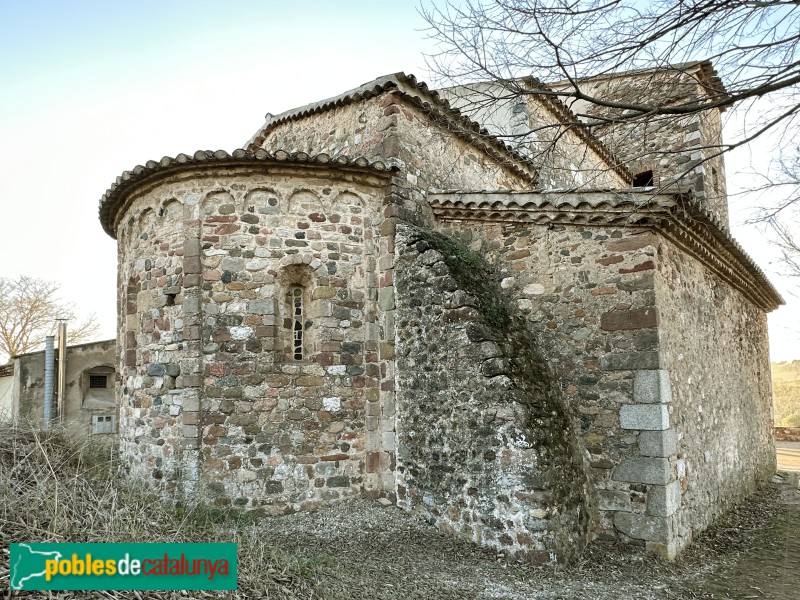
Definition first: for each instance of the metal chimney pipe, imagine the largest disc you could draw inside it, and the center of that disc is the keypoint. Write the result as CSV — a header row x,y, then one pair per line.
x,y
49,359
62,368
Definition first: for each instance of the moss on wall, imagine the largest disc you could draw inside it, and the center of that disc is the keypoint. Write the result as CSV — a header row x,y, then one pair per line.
x,y
514,476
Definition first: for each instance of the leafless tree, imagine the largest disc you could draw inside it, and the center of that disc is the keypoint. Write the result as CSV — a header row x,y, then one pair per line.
x,y
29,308
754,46
779,207
752,43
789,245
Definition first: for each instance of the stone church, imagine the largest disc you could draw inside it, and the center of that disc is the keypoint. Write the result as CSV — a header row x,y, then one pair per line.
x,y
531,341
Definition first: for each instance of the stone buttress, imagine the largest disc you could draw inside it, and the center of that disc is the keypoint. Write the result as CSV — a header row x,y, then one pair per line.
x,y
317,318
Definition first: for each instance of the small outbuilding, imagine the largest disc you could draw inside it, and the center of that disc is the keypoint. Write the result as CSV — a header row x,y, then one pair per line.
x,y
90,404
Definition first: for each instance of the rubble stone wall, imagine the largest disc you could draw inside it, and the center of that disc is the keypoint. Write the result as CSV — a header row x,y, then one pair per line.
x,y
436,159
215,398
587,292
486,447
656,356
721,401
389,126
358,129
560,154
679,150
159,342
566,160
712,169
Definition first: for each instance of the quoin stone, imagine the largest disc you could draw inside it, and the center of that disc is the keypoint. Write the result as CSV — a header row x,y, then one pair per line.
x,y
644,417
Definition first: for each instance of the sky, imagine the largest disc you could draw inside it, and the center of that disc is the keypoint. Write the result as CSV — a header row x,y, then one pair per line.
x,y
90,88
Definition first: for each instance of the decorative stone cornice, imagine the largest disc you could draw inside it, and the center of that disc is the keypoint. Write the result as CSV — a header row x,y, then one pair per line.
x,y
678,218
114,198
428,101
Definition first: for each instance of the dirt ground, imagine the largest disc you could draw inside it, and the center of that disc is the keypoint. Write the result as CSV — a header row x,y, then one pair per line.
x,y
366,551
50,491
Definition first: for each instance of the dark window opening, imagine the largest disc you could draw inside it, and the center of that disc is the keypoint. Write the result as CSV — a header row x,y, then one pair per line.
x,y
643,179
98,381
297,322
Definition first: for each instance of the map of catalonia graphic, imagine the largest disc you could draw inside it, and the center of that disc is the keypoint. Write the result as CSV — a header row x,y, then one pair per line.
x,y
28,564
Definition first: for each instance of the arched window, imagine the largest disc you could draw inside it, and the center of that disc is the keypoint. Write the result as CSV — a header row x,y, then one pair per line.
x,y
298,319
97,387
296,312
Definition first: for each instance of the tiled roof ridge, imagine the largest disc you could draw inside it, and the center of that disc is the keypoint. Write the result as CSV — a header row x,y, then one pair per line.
x,y
128,179
418,92
682,218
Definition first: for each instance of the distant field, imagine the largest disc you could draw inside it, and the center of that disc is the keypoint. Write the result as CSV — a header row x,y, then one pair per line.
x,y
786,392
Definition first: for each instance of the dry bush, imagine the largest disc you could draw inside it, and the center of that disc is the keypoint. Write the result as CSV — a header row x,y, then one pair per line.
x,y
53,489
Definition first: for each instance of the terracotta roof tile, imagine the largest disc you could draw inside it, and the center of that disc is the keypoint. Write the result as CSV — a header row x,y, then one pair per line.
x,y
419,94
109,203
680,218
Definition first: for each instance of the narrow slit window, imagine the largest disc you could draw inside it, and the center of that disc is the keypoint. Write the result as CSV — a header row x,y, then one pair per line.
x,y
297,323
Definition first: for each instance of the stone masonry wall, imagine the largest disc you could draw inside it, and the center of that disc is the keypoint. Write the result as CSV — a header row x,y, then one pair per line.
x,y
435,159
714,348
567,160
389,126
676,149
712,168
563,158
215,398
588,292
656,356
486,448
159,342
356,129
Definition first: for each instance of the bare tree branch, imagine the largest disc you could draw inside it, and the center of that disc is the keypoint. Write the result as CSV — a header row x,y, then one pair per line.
x,y
576,50
29,308
754,46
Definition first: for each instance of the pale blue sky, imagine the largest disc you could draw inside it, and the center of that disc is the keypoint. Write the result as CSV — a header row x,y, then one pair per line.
x,y
91,88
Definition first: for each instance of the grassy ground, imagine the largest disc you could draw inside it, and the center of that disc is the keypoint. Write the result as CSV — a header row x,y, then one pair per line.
x,y
786,393
54,490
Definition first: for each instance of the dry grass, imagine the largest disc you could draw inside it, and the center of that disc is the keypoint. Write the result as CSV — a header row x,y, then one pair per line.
x,y
57,490
52,489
